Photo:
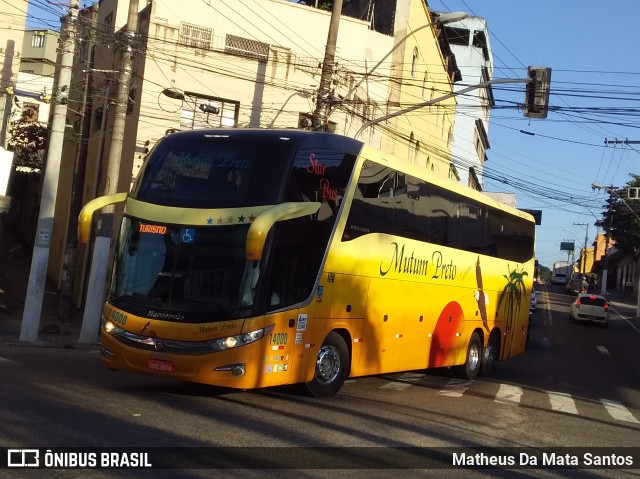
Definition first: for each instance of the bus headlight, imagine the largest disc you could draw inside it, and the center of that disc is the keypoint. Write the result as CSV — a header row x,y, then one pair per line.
x,y
111,328
222,344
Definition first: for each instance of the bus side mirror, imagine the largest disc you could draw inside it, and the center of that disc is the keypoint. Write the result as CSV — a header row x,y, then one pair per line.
x,y
87,211
259,229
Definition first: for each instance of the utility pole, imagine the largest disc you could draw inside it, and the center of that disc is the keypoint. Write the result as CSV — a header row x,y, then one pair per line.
x,y
102,246
605,266
321,112
70,257
583,256
40,258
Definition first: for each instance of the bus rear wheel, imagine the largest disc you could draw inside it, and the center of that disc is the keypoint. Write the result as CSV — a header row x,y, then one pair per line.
x,y
332,367
490,357
471,367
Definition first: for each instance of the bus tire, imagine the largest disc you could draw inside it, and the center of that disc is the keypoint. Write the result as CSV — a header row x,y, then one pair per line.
x,y
332,367
489,357
471,367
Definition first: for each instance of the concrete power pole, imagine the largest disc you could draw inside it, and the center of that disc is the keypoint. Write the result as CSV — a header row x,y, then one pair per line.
x,y
70,255
40,258
101,249
583,256
321,112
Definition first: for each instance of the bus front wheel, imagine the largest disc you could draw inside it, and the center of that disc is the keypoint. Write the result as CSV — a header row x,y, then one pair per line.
x,y
471,367
332,367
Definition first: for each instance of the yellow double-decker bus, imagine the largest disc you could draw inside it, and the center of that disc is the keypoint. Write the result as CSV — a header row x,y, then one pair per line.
x,y
254,258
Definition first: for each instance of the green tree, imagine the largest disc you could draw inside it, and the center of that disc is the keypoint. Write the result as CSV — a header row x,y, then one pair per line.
x,y
322,4
27,140
621,219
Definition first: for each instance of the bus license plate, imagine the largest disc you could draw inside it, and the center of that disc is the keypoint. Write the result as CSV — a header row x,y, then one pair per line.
x,y
159,365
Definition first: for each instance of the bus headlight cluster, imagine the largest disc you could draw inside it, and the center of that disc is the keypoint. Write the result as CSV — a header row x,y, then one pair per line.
x,y
222,344
111,328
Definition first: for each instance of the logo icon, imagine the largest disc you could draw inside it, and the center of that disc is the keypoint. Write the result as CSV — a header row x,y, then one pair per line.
x,y
23,458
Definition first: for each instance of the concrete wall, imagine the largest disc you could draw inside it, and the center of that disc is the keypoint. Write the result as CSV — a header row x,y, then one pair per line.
x,y
13,16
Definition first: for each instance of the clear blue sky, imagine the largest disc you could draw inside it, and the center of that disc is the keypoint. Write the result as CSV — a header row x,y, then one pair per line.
x,y
591,47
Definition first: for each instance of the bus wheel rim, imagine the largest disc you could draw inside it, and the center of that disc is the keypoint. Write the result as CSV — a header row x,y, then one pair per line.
x,y
474,358
327,365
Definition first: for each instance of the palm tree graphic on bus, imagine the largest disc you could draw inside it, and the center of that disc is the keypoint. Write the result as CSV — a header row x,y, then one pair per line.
x,y
512,294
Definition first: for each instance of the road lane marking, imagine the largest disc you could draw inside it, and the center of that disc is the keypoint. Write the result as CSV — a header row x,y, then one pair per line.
x,y
603,350
630,323
455,388
626,319
562,402
618,411
508,394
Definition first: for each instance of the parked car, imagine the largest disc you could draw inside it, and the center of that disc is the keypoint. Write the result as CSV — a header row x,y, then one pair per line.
x,y
590,307
534,301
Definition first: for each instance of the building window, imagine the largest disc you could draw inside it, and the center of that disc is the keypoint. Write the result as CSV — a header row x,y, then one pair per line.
x,y
414,62
244,47
478,145
196,36
37,40
108,23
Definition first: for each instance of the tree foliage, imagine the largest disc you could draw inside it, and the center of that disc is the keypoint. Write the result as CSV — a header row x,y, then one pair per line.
x,y
28,140
621,219
322,4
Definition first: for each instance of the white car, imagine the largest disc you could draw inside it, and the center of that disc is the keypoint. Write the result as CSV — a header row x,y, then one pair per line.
x,y
560,278
534,301
590,307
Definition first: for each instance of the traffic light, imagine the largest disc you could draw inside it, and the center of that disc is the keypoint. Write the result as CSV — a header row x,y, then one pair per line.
x,y
536,99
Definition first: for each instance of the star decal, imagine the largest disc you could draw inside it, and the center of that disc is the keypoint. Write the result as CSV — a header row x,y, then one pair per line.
x,y
220,220
230,219
240,219
252,219
210,221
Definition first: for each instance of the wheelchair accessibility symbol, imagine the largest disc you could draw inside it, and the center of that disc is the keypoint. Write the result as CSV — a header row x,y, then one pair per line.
x,y
188,235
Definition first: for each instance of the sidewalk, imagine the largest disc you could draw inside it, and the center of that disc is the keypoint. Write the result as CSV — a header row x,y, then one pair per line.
x,y
623,302
15,265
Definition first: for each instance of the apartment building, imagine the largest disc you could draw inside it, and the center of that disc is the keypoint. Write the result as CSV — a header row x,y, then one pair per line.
x,y
469,40
39,52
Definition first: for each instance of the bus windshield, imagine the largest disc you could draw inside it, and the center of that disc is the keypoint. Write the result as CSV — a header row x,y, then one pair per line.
x,y
199,272
205,170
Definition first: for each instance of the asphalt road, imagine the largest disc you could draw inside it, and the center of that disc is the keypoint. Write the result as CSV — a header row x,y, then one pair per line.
x,y
576,386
